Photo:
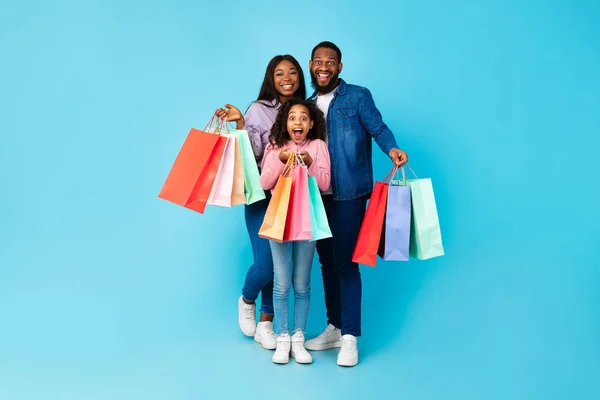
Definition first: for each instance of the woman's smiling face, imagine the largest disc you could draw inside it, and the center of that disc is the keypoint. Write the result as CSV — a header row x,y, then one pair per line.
x,y
286,79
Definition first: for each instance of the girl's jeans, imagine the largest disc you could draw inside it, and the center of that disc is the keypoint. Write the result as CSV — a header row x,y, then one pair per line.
x,y
292,262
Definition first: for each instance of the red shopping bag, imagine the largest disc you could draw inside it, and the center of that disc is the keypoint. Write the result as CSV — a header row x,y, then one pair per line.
x,y
367,244
182,185
203,187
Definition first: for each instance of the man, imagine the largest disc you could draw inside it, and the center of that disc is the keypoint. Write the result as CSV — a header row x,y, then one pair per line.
x,y
352,120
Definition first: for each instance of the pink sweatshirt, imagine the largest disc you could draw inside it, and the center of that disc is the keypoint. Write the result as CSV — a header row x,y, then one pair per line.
x,y
320,168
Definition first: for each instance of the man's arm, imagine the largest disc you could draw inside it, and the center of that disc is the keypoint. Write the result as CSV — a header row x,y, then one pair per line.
x,y
371,119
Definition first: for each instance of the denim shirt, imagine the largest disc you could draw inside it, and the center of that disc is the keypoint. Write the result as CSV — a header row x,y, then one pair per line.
x,y
352,120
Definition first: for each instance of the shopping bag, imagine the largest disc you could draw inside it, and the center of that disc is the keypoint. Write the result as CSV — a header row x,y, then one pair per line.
x,y
369,235
252,188
426,236
319,225
237,190
273,225
395,237
297,225
220,195
182,184
203,187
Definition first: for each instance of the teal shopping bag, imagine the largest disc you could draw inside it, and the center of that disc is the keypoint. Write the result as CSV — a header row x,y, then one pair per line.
x,y
252,188
425,234
319,225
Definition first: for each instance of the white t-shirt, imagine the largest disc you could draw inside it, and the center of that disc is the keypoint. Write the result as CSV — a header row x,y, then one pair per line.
x,y
323,102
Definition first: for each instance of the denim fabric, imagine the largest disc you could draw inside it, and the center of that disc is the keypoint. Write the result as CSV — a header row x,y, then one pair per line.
x,y
292,263
341,277
260,274
352,120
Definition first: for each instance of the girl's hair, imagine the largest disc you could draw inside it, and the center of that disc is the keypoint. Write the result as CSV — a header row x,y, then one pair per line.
x,y
279,135
268,91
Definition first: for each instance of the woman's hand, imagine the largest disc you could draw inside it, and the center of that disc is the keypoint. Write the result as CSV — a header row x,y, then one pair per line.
x,y
232,114
306,158
284,154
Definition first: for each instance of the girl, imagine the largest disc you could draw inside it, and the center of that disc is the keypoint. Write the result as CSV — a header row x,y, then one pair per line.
x,y
283,80
299,128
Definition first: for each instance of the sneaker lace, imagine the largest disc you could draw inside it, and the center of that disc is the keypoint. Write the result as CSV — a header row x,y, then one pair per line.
x,y
328,331
269,329
249,313
348,345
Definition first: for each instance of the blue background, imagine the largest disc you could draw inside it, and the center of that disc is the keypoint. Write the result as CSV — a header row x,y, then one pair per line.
x,y
107,292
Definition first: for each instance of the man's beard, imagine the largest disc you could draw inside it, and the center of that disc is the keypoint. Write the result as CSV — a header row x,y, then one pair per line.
x,y
324,89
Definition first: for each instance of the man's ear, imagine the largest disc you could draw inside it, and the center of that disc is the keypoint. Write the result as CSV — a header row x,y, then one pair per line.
x,y
309,64
340,66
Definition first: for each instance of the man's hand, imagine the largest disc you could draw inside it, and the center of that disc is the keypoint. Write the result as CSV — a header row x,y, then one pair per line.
x,y
398,156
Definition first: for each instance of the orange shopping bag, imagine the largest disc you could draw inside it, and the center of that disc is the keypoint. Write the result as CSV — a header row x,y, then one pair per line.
x,y
182,185
273,225
367,244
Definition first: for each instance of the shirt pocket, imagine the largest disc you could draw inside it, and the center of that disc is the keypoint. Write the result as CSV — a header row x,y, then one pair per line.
x,y
348,118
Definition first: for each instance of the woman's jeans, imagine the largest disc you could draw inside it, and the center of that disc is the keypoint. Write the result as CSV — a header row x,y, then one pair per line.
x,y
292,262
260,275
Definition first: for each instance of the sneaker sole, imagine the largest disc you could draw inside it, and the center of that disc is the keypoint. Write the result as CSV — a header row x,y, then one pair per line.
x,y
247,333
298,361
259,340
326,346
345,362
281,361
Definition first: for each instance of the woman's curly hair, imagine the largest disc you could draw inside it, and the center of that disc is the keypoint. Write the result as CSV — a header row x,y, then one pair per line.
x,y
279,135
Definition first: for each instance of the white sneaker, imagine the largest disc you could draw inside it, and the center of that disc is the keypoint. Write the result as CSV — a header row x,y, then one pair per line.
x,y
348,356
247,317
329,339
265,335
282,353
298,351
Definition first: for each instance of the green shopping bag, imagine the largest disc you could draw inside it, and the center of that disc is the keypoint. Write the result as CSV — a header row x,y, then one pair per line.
x,y
252,188
319,225
425,233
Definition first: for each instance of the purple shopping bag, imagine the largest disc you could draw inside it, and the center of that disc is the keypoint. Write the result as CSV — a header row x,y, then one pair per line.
x,y
395,236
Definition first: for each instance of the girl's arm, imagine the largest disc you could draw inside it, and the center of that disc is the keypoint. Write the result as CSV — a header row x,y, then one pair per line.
x,y
321,165
271,168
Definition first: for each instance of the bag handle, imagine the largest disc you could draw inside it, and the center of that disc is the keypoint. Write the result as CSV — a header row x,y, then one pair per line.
x,y
211,123
390,174
289,165
411,170
396,174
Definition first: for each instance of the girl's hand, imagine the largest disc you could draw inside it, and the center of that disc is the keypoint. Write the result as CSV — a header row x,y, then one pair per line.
x,y
284,154
232,114
306,158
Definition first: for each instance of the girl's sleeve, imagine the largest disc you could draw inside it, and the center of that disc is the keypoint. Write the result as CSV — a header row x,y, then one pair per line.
x,y
257,131
271,168
321,166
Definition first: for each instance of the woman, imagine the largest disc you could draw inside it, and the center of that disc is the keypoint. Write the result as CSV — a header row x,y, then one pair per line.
x,y
283,81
